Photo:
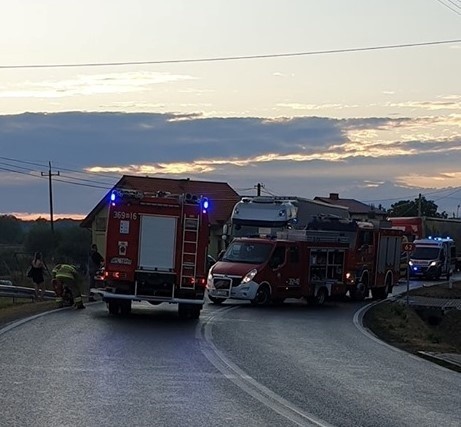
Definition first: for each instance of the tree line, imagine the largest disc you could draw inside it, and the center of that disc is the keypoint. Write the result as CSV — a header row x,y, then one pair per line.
x,y
19,240
418,207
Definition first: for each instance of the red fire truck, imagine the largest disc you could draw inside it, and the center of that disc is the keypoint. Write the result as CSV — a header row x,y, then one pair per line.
x,y
306,264
156,251
373,262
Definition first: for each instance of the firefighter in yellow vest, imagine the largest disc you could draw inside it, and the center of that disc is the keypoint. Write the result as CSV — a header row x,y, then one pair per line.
x,y
68,276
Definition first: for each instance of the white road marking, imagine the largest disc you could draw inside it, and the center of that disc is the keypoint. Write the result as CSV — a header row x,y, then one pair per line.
x,y
246,382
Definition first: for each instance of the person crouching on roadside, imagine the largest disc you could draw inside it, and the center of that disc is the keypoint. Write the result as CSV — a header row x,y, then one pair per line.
x,y
68,276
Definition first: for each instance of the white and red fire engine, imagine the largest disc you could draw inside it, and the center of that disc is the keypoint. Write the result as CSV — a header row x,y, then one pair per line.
x,y
308,265
337,257
156,251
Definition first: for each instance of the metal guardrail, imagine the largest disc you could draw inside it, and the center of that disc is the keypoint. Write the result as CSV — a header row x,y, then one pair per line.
x,y
22,292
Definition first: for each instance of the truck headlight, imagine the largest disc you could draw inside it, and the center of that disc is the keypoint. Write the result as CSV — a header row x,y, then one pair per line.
x,y
410,263
249,276
433,264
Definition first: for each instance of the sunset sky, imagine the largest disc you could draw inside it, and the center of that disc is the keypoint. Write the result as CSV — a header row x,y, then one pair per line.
x,y
360,98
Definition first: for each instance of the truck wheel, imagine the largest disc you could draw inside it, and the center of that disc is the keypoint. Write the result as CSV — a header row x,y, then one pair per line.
x,y
360,292
379,293
113,307
215,300
263,296
195,311
382,293
183,311
125,307
321,296
189,311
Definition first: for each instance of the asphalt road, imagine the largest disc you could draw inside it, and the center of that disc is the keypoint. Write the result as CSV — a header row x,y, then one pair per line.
x,y
237,366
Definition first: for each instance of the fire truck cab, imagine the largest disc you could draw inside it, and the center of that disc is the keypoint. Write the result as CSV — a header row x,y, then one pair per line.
x,y
264,270
156,251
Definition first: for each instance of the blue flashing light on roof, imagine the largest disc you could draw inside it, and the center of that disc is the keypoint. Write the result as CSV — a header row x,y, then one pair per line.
x,y
113,197
205,204
439,238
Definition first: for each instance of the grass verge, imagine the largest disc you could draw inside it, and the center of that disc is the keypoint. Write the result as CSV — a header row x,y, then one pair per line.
x,y
415,330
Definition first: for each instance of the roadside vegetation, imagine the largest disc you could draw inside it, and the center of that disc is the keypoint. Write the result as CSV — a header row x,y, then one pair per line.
x,y
413,329
19,240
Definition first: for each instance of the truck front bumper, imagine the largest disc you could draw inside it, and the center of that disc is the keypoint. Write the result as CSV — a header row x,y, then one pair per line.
x,y
108,295
244,291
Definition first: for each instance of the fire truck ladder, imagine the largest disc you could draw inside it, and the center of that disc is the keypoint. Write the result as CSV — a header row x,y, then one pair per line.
x,y
189,251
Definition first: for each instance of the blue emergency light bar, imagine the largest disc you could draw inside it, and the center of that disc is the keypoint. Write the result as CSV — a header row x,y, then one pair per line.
x,y
439,238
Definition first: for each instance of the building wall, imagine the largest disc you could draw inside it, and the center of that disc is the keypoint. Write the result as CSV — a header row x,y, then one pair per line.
x,y
98,230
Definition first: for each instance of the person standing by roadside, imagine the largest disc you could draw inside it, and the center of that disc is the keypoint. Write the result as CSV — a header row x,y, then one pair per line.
x,y
95,262
37,276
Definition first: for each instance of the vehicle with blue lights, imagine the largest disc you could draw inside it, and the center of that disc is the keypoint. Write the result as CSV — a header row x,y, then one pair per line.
x,y
424,227
433,258
156,251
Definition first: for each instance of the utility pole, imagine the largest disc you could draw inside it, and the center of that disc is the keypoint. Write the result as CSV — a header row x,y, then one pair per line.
x,y
50,175
258,188
419,205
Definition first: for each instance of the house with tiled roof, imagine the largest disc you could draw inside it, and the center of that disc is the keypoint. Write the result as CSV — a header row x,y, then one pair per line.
x,y
221,196
357,210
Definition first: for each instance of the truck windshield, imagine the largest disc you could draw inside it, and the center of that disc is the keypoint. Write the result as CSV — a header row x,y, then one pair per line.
x,y
424,252
247,252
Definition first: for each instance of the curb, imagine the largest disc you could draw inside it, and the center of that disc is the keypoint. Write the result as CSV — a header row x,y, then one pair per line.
x,y
446,360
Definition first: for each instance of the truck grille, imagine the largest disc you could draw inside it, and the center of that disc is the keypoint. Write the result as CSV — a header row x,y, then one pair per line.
x,y
226,282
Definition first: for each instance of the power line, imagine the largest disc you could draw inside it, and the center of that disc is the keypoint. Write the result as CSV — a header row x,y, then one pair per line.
x,y
66,181
41,165
230,58
451,8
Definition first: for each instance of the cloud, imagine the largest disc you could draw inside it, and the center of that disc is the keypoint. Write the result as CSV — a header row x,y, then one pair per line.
x,y
314,107
96,84
364,158
452,102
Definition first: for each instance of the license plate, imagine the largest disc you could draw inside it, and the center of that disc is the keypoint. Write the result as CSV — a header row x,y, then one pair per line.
x,y
220,292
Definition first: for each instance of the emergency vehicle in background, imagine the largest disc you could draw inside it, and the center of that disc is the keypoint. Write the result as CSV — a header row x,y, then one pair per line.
x,y
424,227
156,251
332,258
433,258
304,264
374,259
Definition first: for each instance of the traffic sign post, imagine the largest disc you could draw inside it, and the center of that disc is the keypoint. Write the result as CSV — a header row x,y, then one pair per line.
x,y
408,247
408,278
